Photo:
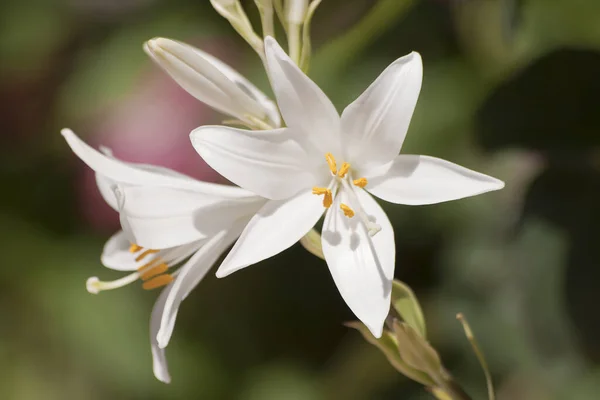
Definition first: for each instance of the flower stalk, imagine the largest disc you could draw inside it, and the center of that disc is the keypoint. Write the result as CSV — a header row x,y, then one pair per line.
x,y
404,344
233,12
295,15
265,8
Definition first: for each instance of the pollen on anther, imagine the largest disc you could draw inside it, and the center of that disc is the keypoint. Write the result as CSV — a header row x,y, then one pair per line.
x,y
328,199
145,253
331,162
348,212
327,195
344,170
362,182
134,248
157,282
154,271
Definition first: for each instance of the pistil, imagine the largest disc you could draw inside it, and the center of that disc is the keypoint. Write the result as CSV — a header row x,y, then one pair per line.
x,y
372,227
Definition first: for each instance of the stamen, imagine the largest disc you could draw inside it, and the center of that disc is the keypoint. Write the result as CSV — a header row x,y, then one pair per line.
x,y
344,170
328,197
157,282
372,227
134,248
147,266
145,253
154,271
362,182
331,162
348,212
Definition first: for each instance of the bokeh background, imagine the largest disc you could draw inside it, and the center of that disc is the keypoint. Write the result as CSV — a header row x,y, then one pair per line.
x,y
510,89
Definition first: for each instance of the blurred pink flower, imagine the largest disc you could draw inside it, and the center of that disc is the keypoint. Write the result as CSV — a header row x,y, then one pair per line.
x,y
150,125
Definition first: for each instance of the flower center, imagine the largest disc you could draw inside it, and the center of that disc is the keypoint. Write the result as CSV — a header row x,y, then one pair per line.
x,y
343,176
152,273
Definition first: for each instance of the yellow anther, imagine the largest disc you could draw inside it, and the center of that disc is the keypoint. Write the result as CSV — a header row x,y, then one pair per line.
x,y
145,253
331,162
134,248
154,271
146,266
362,182
348,212
157,282
344,170
328,197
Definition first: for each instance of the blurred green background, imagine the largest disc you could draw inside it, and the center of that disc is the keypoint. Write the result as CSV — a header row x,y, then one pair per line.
x,y
510,89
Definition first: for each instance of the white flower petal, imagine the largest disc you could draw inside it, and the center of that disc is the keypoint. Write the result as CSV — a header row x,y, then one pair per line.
x,y
116,255
277,226
271,164
106,186
361,266
159,359
162,217
419,180
211,81
190,275
303,104
376,123
133,174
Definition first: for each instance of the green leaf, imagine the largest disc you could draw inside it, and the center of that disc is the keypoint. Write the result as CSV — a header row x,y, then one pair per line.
x,y
440,394
389,346
416,351
407,306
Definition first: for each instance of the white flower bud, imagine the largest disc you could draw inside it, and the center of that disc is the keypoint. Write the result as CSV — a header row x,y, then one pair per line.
x,y
223,3
296,11
212,81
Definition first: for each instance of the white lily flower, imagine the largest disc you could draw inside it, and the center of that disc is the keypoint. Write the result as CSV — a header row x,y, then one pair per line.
x,y
180,227
299,169
213,82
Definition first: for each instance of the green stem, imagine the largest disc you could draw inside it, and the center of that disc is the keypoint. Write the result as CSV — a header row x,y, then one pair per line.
x,y
294,42
266,19
455,391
